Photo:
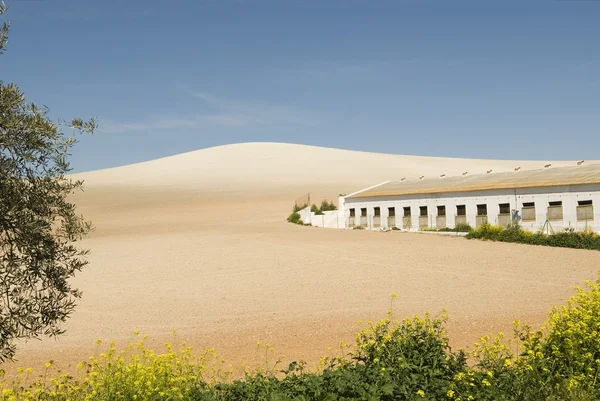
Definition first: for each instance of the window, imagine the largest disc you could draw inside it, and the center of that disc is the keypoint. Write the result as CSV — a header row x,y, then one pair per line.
x,y
363,211
441,210
391,211
555,210
481,210
504,217
528,211
377,211
461,210
422,211
585,210
352,212
407,211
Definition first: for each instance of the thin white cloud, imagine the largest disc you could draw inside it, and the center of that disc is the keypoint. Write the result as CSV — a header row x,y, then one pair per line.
x,y
231,113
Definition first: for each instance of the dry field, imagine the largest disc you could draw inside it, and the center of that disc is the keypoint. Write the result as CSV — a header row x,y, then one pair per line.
x,y
199,243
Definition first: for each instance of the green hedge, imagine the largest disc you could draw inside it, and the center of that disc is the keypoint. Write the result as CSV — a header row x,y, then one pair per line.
x,y
566,239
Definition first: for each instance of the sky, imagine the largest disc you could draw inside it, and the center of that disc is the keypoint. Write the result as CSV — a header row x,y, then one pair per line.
x,y
483,79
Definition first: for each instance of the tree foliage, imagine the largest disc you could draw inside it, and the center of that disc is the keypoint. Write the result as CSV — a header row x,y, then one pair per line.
x,y
38,226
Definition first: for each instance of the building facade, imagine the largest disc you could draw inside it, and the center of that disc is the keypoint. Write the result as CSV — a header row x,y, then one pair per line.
x,y
548,199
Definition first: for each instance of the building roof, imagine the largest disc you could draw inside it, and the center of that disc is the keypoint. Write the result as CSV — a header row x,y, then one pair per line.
x,y
572,175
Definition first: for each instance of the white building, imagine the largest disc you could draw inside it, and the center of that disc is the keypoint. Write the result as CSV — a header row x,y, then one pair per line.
x,y
550,199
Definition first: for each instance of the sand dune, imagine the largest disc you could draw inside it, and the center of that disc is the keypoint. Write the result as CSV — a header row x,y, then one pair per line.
x,y
198,242
269,165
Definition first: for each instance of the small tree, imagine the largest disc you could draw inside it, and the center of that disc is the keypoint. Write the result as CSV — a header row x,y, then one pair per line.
x,y
327,206
38,226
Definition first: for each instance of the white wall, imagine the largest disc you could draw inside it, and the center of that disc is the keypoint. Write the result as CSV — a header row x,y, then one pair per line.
x,y
329,219
569,195
305,215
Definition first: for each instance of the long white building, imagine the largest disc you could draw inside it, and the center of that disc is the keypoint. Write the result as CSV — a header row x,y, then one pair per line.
x,y
550,199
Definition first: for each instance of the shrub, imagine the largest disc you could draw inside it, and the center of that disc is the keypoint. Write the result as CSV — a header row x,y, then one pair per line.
x,y
567,238
486,232
410,358
463,228
327,206
391,360
561,361
295,218
298,207
460,228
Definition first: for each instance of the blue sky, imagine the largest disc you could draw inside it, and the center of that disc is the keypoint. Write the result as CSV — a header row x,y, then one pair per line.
x,y
486,79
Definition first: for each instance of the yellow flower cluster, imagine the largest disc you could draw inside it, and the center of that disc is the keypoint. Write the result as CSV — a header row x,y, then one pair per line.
x,y
137,373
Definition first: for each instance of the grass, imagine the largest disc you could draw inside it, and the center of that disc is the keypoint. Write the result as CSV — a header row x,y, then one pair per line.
x,y
390,360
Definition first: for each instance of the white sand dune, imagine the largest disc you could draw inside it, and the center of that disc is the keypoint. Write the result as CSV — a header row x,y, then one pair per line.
x,y
270,165
198,242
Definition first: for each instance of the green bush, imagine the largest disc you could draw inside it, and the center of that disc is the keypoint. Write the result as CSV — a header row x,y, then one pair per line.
x,y
295,218
298,207
460,228
391,360
561,361
327,206
463,228
565,239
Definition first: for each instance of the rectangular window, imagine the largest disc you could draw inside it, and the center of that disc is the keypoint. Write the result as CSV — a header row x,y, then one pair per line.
x,y
528,211
363,211
504,217
391,211
461,210
481,210
377,211
555,210
585,210
407,211
352,212
422,211
441,210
